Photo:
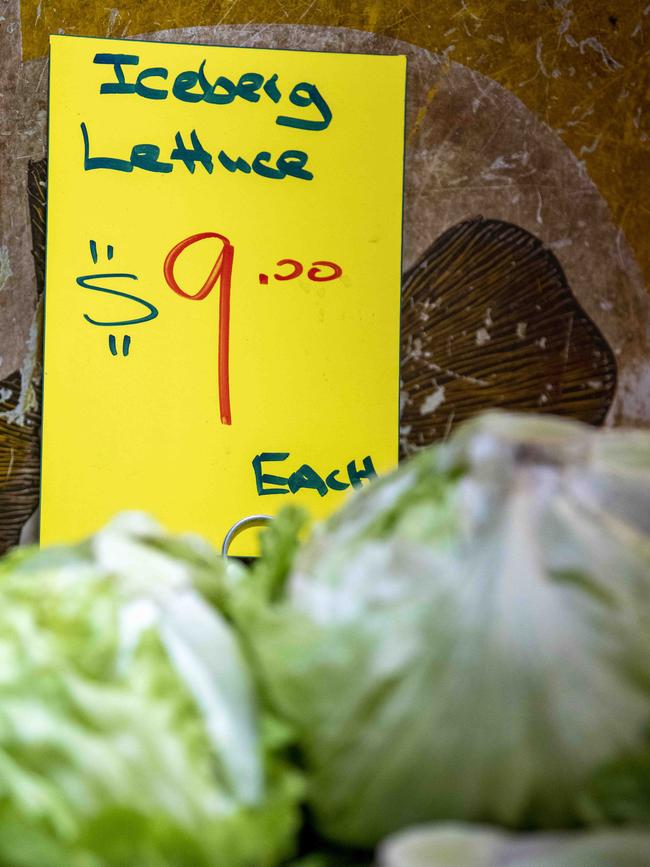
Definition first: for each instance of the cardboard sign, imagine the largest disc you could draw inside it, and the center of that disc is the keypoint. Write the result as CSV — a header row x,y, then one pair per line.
x,y
223,282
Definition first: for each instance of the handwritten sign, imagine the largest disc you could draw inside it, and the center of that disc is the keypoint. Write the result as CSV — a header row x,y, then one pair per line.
x,y
223,282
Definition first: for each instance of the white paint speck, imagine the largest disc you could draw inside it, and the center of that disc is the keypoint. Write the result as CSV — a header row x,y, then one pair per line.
x,y
5,267
448,50
433,401
566,18
538,55
522,327
113,18
592,147
596,46
482,337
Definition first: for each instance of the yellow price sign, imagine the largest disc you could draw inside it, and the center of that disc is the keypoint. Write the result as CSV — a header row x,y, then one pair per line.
x,y
223,282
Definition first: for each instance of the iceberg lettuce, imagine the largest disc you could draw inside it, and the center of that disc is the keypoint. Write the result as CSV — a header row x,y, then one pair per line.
x,y
129,726
469,637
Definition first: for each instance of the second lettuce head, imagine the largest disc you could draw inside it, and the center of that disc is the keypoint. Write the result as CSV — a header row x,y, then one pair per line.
x,y
469,638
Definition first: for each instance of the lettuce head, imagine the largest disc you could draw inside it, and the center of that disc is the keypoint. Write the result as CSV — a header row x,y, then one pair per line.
x,y
469,637
129,727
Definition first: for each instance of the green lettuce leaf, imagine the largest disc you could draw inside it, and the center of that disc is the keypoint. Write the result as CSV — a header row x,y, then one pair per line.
x,y
129,726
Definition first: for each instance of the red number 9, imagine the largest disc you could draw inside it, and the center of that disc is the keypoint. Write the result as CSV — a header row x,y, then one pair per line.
x,y
220,272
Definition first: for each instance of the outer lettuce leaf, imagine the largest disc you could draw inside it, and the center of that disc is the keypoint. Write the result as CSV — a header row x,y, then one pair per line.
x,y
129,732
467,846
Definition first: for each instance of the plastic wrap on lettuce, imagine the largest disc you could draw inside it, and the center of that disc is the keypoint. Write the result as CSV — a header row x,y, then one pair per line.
x,y
129,732
469,637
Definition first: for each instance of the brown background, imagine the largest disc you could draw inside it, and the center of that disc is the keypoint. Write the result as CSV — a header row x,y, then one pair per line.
x,y
583,67
528,112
